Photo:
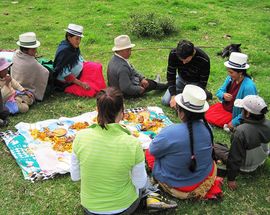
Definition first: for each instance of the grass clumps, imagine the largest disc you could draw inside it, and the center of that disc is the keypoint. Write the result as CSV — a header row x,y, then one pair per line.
x,y
151,25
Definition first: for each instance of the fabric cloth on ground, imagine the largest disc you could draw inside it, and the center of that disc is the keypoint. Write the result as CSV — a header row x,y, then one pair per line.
x,y
30,74
91,74
247,88
29,142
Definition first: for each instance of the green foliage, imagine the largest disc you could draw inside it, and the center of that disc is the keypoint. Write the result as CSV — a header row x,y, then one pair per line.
x,y
247,21
151,25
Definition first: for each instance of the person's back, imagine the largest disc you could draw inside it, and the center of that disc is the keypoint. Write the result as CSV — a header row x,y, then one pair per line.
x,y
26,69
106,159
256,136
173,168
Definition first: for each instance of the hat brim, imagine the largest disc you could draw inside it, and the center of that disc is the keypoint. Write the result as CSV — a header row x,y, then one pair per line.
x,y
233,67
178,99
79,35
238,103
5,65
33,46
122,48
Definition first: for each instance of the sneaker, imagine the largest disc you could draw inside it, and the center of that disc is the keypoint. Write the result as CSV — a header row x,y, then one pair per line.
x,y
156,202
158,78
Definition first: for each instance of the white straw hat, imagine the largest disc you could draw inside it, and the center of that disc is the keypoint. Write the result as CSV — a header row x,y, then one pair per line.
x,y
193,99
122,42
28,40
237,60
74,29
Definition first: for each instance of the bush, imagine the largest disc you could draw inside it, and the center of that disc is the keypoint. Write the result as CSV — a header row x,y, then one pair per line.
x,y
151,25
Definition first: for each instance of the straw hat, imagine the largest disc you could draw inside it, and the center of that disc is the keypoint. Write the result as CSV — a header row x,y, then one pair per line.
x,y
237,60
28,40
122,42
74,29
193,99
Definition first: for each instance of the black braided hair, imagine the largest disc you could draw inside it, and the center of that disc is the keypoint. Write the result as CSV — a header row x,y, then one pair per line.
x,y
193,163
190,117
212,138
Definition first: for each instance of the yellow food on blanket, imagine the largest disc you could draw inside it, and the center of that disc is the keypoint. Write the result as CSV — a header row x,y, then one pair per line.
x,y
58,132
79,125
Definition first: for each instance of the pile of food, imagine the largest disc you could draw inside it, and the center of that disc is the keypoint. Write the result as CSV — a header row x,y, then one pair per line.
x,y
143,118
60,142
79,125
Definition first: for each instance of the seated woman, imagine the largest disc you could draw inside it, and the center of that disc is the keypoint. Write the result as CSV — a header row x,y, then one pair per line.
x,y
73,75
110,162
25,68
180,156
237,85
15,98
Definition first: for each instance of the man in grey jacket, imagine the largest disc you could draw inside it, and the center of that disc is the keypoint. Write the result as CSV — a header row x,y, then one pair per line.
x,y
250,140
123,76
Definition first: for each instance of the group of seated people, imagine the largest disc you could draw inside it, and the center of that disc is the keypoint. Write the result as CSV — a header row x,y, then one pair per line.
x,y
107,159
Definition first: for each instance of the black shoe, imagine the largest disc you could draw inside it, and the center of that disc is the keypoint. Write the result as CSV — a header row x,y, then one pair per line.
x,y
161,86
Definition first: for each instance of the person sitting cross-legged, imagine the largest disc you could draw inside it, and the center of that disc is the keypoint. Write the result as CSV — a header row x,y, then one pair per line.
x,y
109,161
237,85
122,75
180,156
249,141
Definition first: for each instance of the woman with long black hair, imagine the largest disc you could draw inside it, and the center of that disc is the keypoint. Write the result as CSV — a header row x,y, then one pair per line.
x,y
183,163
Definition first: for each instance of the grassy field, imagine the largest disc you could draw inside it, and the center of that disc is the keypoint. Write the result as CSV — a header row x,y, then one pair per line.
x,y
204,22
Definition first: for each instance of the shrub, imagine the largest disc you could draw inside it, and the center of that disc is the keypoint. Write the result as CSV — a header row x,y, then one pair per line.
x,y
151,25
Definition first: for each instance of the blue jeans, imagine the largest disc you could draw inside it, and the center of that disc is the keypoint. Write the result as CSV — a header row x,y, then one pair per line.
x,y
180,84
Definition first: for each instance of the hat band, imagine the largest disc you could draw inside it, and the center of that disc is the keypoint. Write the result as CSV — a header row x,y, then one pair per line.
x,y
237,65
74,32
191,106
28,43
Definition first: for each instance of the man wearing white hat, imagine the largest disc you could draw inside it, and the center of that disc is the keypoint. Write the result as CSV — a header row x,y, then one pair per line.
x,y
26,69
123,76
250,140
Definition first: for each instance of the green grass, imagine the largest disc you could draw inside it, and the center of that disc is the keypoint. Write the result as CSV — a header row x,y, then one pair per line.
x,y
203,22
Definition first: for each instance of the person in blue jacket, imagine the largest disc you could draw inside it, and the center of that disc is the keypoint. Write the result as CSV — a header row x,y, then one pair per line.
x,y
237,85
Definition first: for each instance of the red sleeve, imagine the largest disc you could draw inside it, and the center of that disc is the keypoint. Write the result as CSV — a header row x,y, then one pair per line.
x,y
70,78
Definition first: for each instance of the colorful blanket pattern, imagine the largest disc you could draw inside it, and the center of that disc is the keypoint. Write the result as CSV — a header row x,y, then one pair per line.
x,y
37,159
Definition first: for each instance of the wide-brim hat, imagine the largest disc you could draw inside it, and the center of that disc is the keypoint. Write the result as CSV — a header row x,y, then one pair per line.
x,y
252,103
4,64
28,40
122,42
74,29
193,99
237,60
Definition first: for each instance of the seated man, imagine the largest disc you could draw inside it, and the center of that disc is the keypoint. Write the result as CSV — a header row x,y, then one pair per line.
x,y
186,65
250,140
26,69
123,76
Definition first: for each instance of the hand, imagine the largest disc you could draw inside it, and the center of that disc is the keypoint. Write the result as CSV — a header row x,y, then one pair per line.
x,y
173,102
227,97
144,83
30,95
7,79
232,185
85,86
142,90
230,126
